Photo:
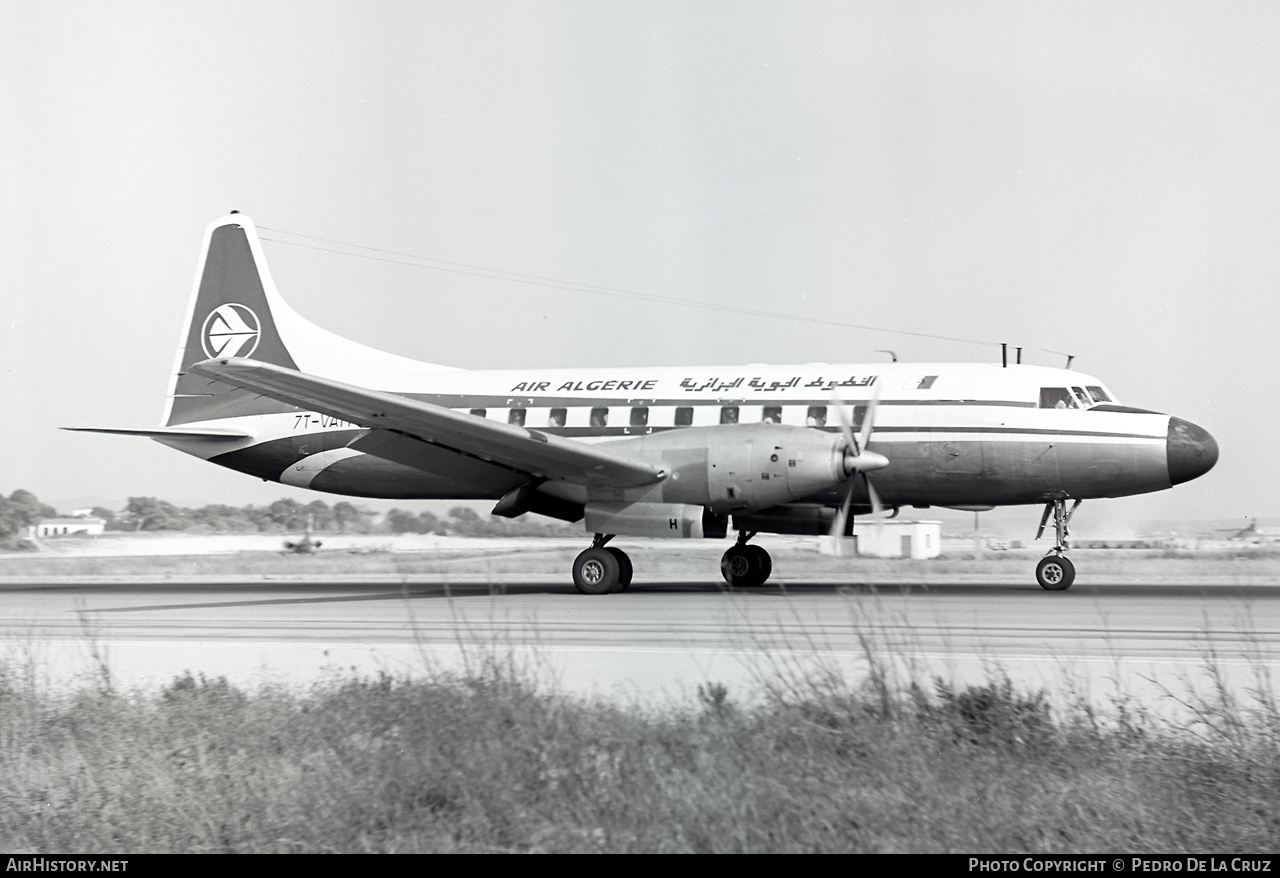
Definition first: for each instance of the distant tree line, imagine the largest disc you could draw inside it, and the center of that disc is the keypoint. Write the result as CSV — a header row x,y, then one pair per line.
x,y
17,512
465,522
22,509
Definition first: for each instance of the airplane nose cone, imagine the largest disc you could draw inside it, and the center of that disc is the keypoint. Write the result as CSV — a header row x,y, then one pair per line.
x,y
1192,451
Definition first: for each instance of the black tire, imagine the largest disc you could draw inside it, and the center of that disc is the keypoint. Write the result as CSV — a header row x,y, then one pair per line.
x,y
741,566
764,563
596,571
625,570
1055,573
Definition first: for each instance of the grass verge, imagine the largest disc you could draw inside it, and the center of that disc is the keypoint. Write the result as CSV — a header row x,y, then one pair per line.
x,y
492,760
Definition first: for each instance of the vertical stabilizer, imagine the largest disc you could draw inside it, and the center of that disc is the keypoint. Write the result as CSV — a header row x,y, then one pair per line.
x,y
236,311
230,315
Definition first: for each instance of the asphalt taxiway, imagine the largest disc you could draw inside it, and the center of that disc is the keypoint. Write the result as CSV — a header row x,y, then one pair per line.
x,y
1151,641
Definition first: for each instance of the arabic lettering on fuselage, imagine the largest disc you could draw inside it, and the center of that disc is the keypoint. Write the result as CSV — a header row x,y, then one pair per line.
x,y
759,385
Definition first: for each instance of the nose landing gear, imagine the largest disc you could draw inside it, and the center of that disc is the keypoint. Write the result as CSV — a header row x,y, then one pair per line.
x,y
1055,572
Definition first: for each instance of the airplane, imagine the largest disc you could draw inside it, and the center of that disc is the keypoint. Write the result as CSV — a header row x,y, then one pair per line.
x,y
680,452
306,545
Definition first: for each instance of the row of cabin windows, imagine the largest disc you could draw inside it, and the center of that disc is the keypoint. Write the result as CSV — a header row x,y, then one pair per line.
x,y
1073,397
815,416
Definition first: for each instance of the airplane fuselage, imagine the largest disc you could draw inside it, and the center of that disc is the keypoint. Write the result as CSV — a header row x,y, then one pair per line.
x,y
957,434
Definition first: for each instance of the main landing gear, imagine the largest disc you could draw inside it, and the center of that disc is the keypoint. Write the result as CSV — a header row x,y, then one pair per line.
x,y
602,569
744,565
1055,572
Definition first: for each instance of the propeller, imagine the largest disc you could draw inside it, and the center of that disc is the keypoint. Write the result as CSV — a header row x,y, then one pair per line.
x,y
858,459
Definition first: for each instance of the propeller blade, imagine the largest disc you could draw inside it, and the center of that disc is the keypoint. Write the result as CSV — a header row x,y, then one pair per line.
x,y
846,429
842,517
876,506
868,419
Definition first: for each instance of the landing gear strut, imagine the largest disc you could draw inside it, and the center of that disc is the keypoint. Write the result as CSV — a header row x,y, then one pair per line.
x,y
745,565
601,569
1055,572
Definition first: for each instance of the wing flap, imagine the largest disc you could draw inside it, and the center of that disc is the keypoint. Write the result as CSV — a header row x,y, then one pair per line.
x,y
526,451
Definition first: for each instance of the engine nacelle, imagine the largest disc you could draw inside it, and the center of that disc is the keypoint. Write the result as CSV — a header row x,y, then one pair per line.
x,y
672,520
797,520
736,468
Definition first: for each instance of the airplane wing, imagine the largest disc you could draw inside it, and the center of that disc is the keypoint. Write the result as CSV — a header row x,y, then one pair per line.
x,y
527,451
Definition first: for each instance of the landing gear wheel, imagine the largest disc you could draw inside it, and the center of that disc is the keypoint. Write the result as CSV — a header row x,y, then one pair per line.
x,y
763,561
624,567
1055,573
745,566
596,571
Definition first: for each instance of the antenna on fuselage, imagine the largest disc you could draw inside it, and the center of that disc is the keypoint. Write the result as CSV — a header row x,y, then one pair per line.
x,y
891,354
1070,357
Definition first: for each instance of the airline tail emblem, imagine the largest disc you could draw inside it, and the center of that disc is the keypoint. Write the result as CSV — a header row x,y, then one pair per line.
x,y
231,330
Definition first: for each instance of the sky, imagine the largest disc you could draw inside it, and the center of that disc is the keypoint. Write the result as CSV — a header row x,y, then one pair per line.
x,y
1096,179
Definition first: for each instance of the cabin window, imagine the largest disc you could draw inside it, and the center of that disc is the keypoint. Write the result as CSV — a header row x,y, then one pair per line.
x,y
516,416
729,414
684,416
816,416
479,413
1098,394
1056,398
600,417
557,418
772,414
640,416
1082,397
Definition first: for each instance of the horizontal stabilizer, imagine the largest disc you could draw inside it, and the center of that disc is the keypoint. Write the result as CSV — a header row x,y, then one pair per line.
x,y
526,451
216,433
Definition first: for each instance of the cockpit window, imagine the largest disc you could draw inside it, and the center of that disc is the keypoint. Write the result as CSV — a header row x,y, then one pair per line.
x,y
1098,394
1057,398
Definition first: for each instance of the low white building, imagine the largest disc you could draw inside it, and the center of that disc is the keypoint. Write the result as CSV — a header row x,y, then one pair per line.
x,y
888,538
58,527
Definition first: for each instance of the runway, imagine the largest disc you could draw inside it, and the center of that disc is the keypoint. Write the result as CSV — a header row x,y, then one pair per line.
x,y
1150,641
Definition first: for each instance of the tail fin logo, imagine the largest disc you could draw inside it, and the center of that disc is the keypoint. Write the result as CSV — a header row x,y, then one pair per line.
x,y
230,330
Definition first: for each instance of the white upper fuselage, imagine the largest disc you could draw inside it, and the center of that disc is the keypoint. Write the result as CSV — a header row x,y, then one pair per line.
x,y
314,413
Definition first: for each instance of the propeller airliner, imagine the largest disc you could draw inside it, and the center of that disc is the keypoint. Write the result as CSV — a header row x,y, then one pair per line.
x,y
680,452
